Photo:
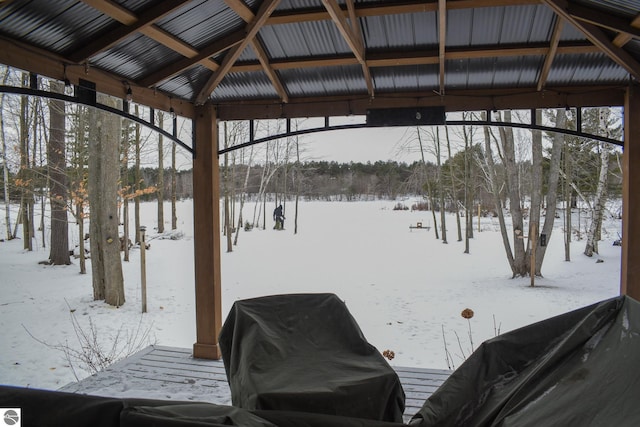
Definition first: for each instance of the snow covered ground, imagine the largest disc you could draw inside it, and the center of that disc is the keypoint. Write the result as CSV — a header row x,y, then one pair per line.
x,y
405,288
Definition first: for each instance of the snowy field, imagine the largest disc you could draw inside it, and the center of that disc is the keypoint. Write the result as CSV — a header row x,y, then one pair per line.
x,y
405,288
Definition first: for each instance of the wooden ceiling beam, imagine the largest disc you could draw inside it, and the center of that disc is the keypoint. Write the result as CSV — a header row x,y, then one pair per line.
x,y
351,37
203,57
252,29
597,37
126,17
553,50
622,38
114,10
455,100
44,63
258,47
595,17
357,30
442,38
145,19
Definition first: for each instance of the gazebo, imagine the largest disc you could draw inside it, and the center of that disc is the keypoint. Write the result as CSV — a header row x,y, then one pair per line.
x,y
409,61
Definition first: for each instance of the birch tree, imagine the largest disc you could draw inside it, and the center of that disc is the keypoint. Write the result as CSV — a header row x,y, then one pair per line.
x,y
601,189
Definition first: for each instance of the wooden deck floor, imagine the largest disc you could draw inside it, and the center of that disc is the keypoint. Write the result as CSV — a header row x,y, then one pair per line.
x,y
171,373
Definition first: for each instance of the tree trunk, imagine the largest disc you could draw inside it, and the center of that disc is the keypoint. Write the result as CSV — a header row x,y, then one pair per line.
x,y
160,185
601,190
5,168
491,177
552,192
104,142
443,222
79,189
599,202
225,180
174,196
125,187
453,183
428,184
56,154
536,194
468,197
243,194
568,223
24,175
519,266
137,186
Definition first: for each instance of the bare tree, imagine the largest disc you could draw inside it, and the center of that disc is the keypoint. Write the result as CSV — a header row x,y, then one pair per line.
x,y
453,182
25,180
443,221
5,165
428,183
553,177
601,190
104,144
160,184
56,155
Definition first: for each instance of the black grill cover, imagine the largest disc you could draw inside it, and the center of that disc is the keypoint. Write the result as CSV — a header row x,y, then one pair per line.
x,y
581,368
305,352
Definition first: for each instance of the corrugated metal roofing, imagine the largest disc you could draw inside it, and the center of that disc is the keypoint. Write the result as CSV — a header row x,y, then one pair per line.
x,y
310,57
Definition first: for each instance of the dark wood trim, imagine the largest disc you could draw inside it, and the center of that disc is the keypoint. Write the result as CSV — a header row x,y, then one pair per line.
x,y
15,54
495,99
206,231
630,266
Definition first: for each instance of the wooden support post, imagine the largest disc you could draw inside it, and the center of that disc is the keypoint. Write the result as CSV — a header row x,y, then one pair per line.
x,y
206,229
630,268
534,246
143,267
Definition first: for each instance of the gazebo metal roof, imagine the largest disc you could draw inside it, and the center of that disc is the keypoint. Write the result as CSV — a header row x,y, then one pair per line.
x,y
322,57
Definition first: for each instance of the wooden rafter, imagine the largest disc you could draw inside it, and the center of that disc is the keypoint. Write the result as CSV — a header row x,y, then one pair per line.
x,y
352,37
615,24
622,39
598,38
553,50
144,20
258,47
442,37
203,57
126,17
252,29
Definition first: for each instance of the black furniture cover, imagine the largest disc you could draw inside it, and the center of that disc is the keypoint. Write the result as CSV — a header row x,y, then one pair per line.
x,y
305,352
581,368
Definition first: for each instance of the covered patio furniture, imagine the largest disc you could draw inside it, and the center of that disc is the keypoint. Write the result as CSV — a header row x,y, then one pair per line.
x,y
305,352
575,369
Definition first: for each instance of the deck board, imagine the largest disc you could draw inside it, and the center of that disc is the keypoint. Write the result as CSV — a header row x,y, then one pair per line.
x,y
159,372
